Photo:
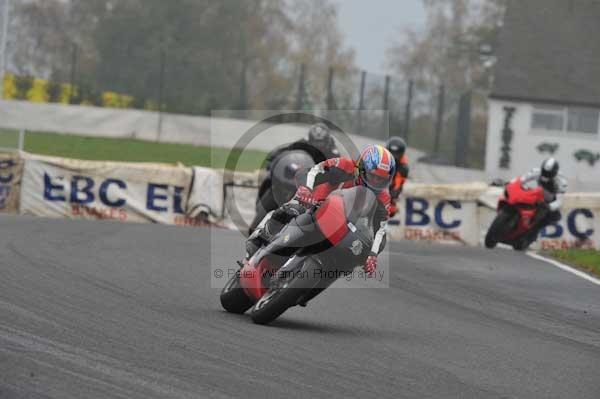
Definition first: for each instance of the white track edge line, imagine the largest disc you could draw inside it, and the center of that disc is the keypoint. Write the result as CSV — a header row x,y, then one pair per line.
x,y
564,267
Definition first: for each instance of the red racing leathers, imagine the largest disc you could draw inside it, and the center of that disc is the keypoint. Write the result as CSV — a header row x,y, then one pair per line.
x,y
342,172
398,181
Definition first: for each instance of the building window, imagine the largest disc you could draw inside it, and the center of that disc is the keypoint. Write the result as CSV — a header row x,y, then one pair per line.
x,y
582,120
548,119
568,120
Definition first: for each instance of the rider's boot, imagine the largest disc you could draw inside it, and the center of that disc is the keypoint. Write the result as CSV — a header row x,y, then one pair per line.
x,y
270,226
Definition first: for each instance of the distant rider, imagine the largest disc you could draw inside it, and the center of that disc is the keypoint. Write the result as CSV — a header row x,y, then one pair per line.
x,y
554,185
374,169
397,147
319,146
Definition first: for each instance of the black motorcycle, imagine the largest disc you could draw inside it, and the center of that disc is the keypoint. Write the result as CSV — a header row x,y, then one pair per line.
x,y
280,184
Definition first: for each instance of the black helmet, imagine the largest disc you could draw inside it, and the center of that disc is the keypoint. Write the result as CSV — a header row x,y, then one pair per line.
x,y
548,171
397,146
319,136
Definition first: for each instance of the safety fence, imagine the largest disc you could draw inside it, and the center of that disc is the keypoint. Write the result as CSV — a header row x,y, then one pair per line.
x,y
177,195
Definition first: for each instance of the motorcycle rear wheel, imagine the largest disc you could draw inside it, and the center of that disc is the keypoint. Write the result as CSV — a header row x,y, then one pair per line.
x,y
233,298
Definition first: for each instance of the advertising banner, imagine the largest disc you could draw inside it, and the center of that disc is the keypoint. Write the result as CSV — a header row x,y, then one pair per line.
x,y
11,170
127,192
446,213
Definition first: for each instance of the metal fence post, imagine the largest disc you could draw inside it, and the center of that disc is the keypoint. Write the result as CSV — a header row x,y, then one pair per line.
x,y
22,139
407,111
3,46
300,94
330,98
160,93
386,107
73,72
463,131
386,93
361,100
439,123
243,86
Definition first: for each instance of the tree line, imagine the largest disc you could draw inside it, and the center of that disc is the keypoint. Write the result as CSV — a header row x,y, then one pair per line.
x,y
191,55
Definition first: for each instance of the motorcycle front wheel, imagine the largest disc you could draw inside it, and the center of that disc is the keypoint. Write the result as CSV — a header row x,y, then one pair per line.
x,y
233,298
503,224
283,295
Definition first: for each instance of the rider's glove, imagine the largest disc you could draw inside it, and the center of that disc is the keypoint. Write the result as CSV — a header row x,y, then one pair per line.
x,y
305,196
370,265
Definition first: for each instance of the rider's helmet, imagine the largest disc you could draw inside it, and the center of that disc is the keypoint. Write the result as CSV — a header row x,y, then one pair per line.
x,y
319,137
397,146
376,167
548,172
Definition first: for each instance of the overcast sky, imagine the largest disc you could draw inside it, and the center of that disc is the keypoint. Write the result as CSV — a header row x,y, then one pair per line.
x,y
370,25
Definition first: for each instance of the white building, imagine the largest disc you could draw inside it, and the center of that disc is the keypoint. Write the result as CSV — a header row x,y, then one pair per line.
x,y
546,95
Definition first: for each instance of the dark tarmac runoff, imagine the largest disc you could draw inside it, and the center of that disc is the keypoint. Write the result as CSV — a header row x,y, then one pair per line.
x,y
111,310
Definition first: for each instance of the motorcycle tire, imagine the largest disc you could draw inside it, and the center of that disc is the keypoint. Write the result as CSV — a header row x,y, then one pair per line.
x,y
233,298
520,245
501,226
276,301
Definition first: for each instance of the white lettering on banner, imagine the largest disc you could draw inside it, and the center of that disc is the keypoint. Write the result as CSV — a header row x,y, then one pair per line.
x,y
94,191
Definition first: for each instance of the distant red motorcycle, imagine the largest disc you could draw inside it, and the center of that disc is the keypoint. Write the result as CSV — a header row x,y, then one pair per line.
x,y
517,214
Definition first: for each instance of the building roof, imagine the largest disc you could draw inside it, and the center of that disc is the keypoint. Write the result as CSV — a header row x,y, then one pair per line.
x,y
549,51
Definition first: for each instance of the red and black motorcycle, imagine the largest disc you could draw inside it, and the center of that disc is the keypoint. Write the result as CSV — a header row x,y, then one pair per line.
x,y
518,212
305,257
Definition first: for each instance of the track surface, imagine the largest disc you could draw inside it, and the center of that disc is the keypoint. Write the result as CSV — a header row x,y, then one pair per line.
x,y
106,310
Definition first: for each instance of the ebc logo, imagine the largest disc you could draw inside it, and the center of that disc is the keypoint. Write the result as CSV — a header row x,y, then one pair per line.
x,y
556,231
416,213
84,190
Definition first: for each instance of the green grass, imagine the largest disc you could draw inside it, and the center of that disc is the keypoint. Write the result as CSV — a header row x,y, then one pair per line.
x,y
587,260
129,150
9,139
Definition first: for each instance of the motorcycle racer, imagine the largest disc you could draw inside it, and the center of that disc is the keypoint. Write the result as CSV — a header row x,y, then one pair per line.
x,y
374,169
319,146
397,147
553,184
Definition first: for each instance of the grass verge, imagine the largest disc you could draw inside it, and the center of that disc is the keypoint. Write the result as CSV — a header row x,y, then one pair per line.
x,y
130,150
587,260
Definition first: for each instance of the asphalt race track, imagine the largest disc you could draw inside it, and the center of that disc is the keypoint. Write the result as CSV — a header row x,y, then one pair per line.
x,y
109,310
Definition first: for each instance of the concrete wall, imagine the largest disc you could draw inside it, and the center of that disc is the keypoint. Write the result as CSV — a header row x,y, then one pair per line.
x,y
186,129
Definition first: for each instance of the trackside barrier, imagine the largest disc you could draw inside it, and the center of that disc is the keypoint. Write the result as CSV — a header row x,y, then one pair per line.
x,y
136,192
11,171
178,195
457,214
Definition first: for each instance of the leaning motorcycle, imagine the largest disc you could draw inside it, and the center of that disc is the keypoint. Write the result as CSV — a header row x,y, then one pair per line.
x,y
305,257
517,214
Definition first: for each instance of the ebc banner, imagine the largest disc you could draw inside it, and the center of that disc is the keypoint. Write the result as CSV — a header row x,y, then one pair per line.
x,y
55,187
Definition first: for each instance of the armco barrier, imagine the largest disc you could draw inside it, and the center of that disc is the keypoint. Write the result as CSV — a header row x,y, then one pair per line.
x,y
142,192
11,170
138,192
461,214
